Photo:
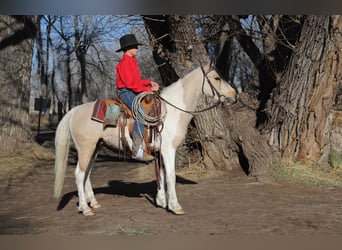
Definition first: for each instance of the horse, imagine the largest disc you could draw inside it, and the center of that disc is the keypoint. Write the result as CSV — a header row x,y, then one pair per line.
x,y
86,134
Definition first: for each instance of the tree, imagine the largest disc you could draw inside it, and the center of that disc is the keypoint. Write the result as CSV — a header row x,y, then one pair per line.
x,y
44,50
17,34
75,56
297,64
298,72
81,47
305,95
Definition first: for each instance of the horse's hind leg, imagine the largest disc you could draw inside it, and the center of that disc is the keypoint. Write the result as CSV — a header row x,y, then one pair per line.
x,y
82,201
84,187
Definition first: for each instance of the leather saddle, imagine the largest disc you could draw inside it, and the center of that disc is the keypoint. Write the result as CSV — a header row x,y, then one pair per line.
x,y
150,104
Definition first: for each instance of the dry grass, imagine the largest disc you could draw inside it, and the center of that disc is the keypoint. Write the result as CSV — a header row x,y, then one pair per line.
x,y
23,159
27,156
43,152
193,171
123,230
10,165
313,175
197,171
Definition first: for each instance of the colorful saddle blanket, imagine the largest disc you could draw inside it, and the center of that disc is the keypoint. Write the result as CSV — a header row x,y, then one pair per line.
x,y
106,111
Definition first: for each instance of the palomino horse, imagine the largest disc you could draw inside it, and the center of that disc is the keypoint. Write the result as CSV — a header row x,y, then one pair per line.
x,y
86,133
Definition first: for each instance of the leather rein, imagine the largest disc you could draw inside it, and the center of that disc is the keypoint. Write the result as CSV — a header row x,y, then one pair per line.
x,y
213,89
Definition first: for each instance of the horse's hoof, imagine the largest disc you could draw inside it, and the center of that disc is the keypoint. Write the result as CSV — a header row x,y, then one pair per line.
x,y
179,212
161,206
88,213
95,205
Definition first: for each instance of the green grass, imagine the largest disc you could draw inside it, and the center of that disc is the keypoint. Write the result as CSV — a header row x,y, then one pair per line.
x,y
336,160
308,174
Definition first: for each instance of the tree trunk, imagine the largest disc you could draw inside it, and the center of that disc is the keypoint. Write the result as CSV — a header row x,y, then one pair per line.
x,y
69,74
158,28
303,101
81,48
16,46
40,58
184,51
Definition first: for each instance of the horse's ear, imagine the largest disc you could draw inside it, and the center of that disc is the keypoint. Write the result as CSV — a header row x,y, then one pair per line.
x,y
208,67
212,62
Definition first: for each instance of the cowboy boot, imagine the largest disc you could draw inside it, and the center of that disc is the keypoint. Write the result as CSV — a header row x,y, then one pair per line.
x,y
138,151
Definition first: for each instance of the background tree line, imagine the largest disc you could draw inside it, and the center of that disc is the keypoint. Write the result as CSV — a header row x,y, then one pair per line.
x,y
286,68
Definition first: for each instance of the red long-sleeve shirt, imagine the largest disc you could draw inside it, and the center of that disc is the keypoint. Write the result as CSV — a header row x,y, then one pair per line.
x,y
128,76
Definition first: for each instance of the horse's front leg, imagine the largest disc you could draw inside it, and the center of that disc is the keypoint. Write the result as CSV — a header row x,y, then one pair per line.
x,y
170,175
161,198
89,193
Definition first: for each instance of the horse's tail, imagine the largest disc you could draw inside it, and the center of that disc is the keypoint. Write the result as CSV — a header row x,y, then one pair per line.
x,y
62,143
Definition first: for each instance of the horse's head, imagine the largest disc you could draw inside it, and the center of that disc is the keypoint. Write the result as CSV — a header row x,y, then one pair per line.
x,y
215,86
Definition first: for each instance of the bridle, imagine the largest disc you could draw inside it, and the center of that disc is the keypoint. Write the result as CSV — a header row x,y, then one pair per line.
x,y
213,89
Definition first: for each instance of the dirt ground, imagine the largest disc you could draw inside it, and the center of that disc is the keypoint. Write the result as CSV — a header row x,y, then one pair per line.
x,y
227,203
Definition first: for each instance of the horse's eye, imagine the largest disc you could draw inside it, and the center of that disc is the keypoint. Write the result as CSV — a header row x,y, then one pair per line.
x,y
217,78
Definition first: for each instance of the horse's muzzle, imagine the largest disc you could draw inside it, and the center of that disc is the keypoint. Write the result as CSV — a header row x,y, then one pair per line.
x,y
229,100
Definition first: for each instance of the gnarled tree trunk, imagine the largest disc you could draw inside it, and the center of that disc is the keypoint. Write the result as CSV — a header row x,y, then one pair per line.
x,y
16,47
303,101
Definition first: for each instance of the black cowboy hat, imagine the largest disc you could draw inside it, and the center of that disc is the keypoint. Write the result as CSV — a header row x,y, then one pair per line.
x,y
128,41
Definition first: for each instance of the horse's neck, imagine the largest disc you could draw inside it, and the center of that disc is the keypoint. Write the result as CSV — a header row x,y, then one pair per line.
x,y
185,93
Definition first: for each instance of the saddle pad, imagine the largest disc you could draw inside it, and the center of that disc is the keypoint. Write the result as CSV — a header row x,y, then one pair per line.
x,y
112,113
106,111
99,111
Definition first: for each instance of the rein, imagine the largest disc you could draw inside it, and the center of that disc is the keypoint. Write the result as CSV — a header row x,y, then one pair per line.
x,y
213,89
187,111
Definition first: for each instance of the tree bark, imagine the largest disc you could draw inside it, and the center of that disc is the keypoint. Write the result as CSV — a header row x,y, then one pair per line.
x,y
81,47
184,51
271,63
16,46
304,98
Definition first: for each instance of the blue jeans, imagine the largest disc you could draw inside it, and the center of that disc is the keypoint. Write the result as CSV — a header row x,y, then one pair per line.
x,y
127,96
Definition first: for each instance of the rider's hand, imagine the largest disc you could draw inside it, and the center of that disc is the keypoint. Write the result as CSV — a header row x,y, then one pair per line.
x,y
155,86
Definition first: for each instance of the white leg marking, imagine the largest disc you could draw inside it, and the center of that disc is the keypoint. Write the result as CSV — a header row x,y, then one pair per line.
x,y
169,162
161,198
82,206
89,193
